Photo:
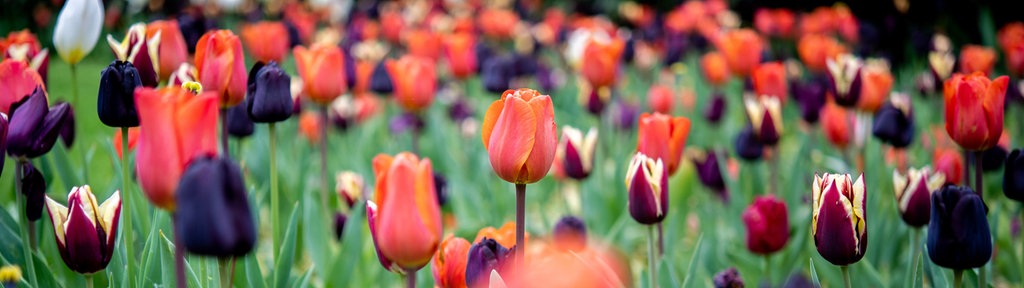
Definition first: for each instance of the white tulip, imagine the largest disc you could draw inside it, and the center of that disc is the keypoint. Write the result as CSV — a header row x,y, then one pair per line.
x,y
78,29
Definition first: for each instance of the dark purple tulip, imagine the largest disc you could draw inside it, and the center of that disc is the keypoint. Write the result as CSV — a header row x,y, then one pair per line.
x,y
728,278
33,186
339,224
709,173
844,80
34,128
993,158
570,234
625,114
894,125
1013,176
629,50
293,34
483,54
647,182
715,109
460,110
269,96
958,233
675,48
523,65
214,217
485,256
810,97
747,145
4,127
497,73
116,101
193,26
350,67
441,188
405,122
67,132
545,77
239,124
380,80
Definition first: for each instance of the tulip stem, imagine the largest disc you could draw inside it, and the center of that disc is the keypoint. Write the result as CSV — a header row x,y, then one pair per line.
x,y
274,195
224,132
410,278
967,168
225,273
520,246
774,171
958,278
88,280
652,266
979,185
846,275
915,247
323,163
661,239
74,89
127,229
768,269
29,266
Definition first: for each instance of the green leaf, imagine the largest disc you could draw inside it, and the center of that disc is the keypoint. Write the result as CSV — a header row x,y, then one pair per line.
x,y
351,247
253,276
304,281
814,273
285,258
693,261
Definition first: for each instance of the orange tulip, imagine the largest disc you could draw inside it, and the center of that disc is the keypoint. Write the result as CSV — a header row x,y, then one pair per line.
x,y
414,81
504,235
836,124
406,221
846,24
449,265
716,70
770,80
975,58
176,126
663,137
20,37
17,81
819,21
459,49
266,40
392,23
24,46
742,50
1011,40
322,68
600,63
221,66
974,109
660,98
520,136
497,23
172,50
816,49
876,85
423,43
364,73
775,22
948,162
133,137
310,126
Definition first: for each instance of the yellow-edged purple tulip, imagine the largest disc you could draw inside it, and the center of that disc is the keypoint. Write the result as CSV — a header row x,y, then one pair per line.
x,y
839,221
85,230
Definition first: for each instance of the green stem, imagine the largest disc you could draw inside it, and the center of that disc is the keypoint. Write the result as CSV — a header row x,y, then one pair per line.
x,y
225,277
774,172
23,218
652,266
768,269
846,275
274,195
958,278
126,205
983,276
520,227
324,188
74,89
88,280
915,247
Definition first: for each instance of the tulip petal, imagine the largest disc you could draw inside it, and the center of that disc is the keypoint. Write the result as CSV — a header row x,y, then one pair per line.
x,y
491,118
512,138
58,215
546,141
402,234
110,217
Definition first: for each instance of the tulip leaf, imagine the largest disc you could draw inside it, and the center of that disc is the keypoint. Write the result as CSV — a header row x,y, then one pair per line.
x,y
814,273
63,165
193,279
304,281
251,268
351,245
693,261
149,252
285,257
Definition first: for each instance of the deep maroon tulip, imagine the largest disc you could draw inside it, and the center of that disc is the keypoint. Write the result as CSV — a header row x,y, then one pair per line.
x,y
914,194
339,224
728,278
747,145
33,186
575,153
269,96
894,122
709,173
810,97
1013,177
85,230
767,225
214,217
239,124
958,233
596,100
839,221
715,109
845,79
116,100
34,128
570,234
485,256
647,182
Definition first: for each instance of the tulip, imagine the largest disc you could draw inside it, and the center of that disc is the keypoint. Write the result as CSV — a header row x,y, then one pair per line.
x,y
775,22
504,235
816,49
708,171
269,94
78,29
423,43
349,186
17,82
767,225
570,234
663,137
239,124
975,58
34,127
1011,40
67,129
519,134
958,234
876,85
770,80
1013,177
575,154
33,186
221,66
414,82
742,50
264,40
715,109
894,123
810,96
839,221
845,79
215,219
660,99
175,127
141,50
716,69
25,47
941,64
485,256
647,182
380,80
441,188
600,65
406,226
974,110
728,278
766,118
459,51
913,193
310,125
116,99
496,73
171,50
322,70
498,23
993,158
87,233
836,125
594,100
449,265
184,74
747,145
339,224
950,163
624,114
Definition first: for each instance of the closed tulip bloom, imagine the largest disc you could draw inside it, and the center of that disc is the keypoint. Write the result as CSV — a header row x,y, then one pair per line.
x,y
497,23
116,100
770,80
767,225
406,225
221,66
1011,41
914,193
349,187
728,278
1013,176
85,230
141,50
958,233
216,219
575,154
894,123
601,57
460,51
647,182
715,108
950,163
660,98
975,58
974,110
876,84
742,50
171,50
264,40
34,127
78,29
747,145
716,69
175,127
663,137
775,22
67,129
269,94
449,264
414,80
570,234
485,256
239,124
33,186
811,97
322,70
766,118
845,80
520,135
25,47
816,49
17,81
708,171
839,221
836,125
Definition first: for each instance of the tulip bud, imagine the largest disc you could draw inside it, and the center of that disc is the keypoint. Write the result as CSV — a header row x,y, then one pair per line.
x,y
974,110
140,50
239,124
116,100
496,73
576,152
406,227
810,97
747,145
647,182
67,130
570,234
742,49
958,233
519,134
728,278
845,79
715,109
839,219
708,171
876,84
486,256
414,81
894,123
836,125
85,231
215,219
34,128
323,72
339,224
449,264
663,137
913,194
767,225
1013,177
78,29
660,99
269,94
349,187
765,114
975,58
33,186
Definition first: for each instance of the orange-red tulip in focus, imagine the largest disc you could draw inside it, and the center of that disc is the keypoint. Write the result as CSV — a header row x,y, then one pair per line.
x,y
770,80
266,40
815,49
172,51
742,50
974,110
449,264
716,70
663,137
520,136
406,219
497,23
221,66
876,85
176,126
975,58
460,51
1011,40
17,81
414,81
600,63
322,69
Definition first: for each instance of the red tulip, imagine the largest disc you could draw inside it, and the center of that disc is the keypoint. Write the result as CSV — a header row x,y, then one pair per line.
x,y
459,50
974,110
1011,40
520,135
815,49
716,70
498,23
767,225
405,219
24,46
17,81
322,68
600,63
770,80
414,80
266,40
775,22
975,58
171,49
876,85
310,125
423,43
836,124
221,66
663,137
660,98
449,265
176,126
742,50
950,163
